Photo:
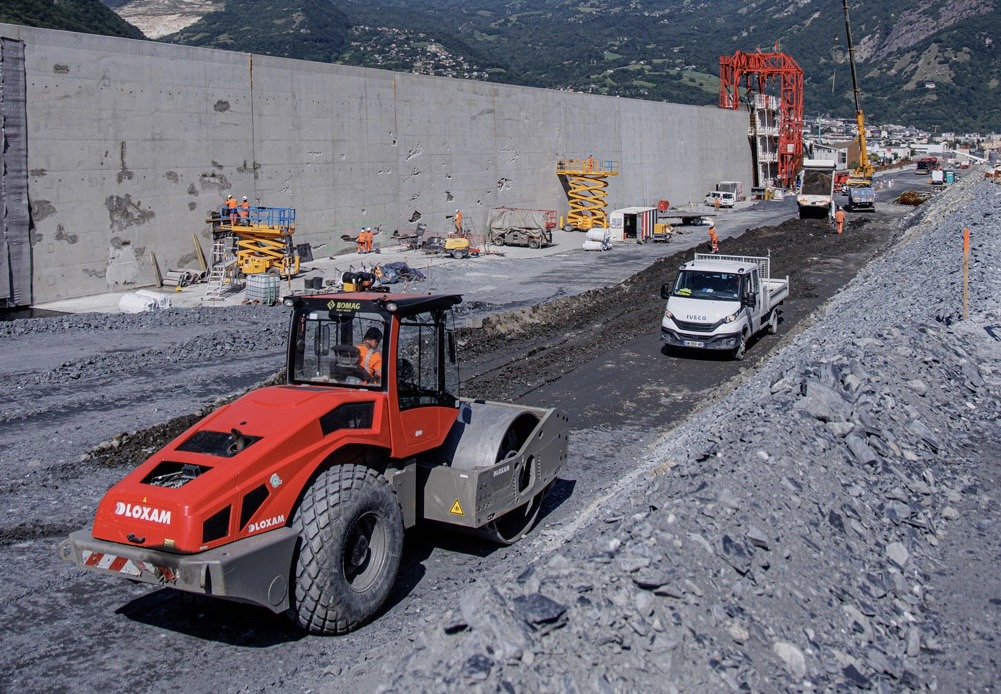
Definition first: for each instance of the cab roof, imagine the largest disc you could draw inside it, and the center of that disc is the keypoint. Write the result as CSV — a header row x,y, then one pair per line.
x,y
406,304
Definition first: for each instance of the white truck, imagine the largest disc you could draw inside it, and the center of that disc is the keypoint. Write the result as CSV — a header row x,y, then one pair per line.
x,y
816,193
719,302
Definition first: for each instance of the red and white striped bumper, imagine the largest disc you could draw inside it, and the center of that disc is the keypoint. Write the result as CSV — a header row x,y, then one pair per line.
x,y
255,569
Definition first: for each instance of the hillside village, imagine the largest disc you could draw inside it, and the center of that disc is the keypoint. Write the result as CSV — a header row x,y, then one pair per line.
x,y
834,138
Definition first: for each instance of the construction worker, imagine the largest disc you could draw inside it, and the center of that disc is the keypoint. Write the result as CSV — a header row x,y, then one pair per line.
x,y
713,238
360,241
716,204
370,358
369,238
231,208
839,219
590,163
458,222
245,212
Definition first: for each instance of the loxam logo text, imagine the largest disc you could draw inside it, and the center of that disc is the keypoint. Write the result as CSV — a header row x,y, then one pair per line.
x,y
146,513
267,523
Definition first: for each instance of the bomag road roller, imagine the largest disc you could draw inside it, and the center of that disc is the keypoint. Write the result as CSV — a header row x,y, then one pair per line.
x,y
296,497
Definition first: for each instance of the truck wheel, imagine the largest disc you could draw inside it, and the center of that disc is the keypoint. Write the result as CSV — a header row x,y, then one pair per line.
x,y
457,254
773,322
741,350
350,539
534,244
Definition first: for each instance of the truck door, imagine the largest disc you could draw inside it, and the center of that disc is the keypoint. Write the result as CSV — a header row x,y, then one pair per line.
x,y
754,287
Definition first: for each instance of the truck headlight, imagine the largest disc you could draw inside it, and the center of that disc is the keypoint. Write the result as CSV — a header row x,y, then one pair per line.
x,y
731,318
668,314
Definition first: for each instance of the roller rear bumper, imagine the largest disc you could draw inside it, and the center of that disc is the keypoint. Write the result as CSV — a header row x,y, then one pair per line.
x,y
253,570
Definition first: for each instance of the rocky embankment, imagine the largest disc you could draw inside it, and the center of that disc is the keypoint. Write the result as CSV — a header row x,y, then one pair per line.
x,y
833,525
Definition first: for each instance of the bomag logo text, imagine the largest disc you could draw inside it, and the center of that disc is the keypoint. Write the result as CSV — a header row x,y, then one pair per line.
x,y
146,513
344,306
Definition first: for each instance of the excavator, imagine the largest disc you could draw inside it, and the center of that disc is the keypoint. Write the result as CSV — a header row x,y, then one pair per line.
x,y
860,177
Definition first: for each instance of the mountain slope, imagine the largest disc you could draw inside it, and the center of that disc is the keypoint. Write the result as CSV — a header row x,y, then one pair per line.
x,y
936,65
304,29
641,48
86,16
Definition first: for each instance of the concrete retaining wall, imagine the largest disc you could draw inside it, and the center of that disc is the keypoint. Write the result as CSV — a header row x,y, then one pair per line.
x,y
132,143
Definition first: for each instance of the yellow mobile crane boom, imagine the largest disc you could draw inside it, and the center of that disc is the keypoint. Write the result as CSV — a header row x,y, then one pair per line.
x,y
862,176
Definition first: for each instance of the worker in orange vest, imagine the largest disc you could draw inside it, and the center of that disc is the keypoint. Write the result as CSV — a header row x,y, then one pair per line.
x,y
369,238
231,207
360,240
713,238
590,163
370,358
458,222
245,212
839,219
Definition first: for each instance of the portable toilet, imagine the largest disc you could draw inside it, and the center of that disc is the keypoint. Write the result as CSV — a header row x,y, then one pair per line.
x,y
950,176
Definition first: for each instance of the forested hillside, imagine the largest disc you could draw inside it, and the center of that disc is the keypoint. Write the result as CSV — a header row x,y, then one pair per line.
x,y
86,16
933,65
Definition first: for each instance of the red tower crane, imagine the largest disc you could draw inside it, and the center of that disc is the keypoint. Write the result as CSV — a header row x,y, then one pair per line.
x,y
764,68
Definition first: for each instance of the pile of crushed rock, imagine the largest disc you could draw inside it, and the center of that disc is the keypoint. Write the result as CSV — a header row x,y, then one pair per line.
x,y
833,525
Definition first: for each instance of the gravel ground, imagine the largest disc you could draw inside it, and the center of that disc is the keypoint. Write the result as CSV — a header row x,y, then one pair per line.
x,y
832,525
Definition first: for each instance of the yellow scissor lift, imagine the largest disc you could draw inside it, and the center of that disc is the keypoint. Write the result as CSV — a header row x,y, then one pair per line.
x,y
585,181
263,240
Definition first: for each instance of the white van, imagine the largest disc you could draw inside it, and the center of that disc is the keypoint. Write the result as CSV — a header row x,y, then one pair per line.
x,y
725,197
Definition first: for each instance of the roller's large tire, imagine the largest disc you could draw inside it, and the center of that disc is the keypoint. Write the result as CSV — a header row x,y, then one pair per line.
x,y
351,536
514,525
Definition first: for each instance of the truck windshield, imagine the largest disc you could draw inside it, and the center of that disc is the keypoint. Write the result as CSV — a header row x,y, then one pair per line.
x,y
702,284
342,349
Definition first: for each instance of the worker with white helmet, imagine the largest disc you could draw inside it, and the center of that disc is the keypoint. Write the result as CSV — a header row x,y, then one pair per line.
x,y
231,209
458,221
245,212
713,238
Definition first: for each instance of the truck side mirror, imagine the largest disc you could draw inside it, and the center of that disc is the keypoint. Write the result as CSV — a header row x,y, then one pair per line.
x,y
750,299
665,291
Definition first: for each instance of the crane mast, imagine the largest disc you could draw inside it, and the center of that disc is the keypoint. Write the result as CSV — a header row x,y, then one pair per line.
x,y
863,174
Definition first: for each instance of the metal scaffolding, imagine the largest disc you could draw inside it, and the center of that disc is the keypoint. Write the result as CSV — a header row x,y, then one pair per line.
x,y
756,70
585,182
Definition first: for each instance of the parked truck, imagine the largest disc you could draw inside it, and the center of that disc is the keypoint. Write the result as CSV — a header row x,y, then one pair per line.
x,y
719,302
296,497
513,226
861,198
816,193
735,187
